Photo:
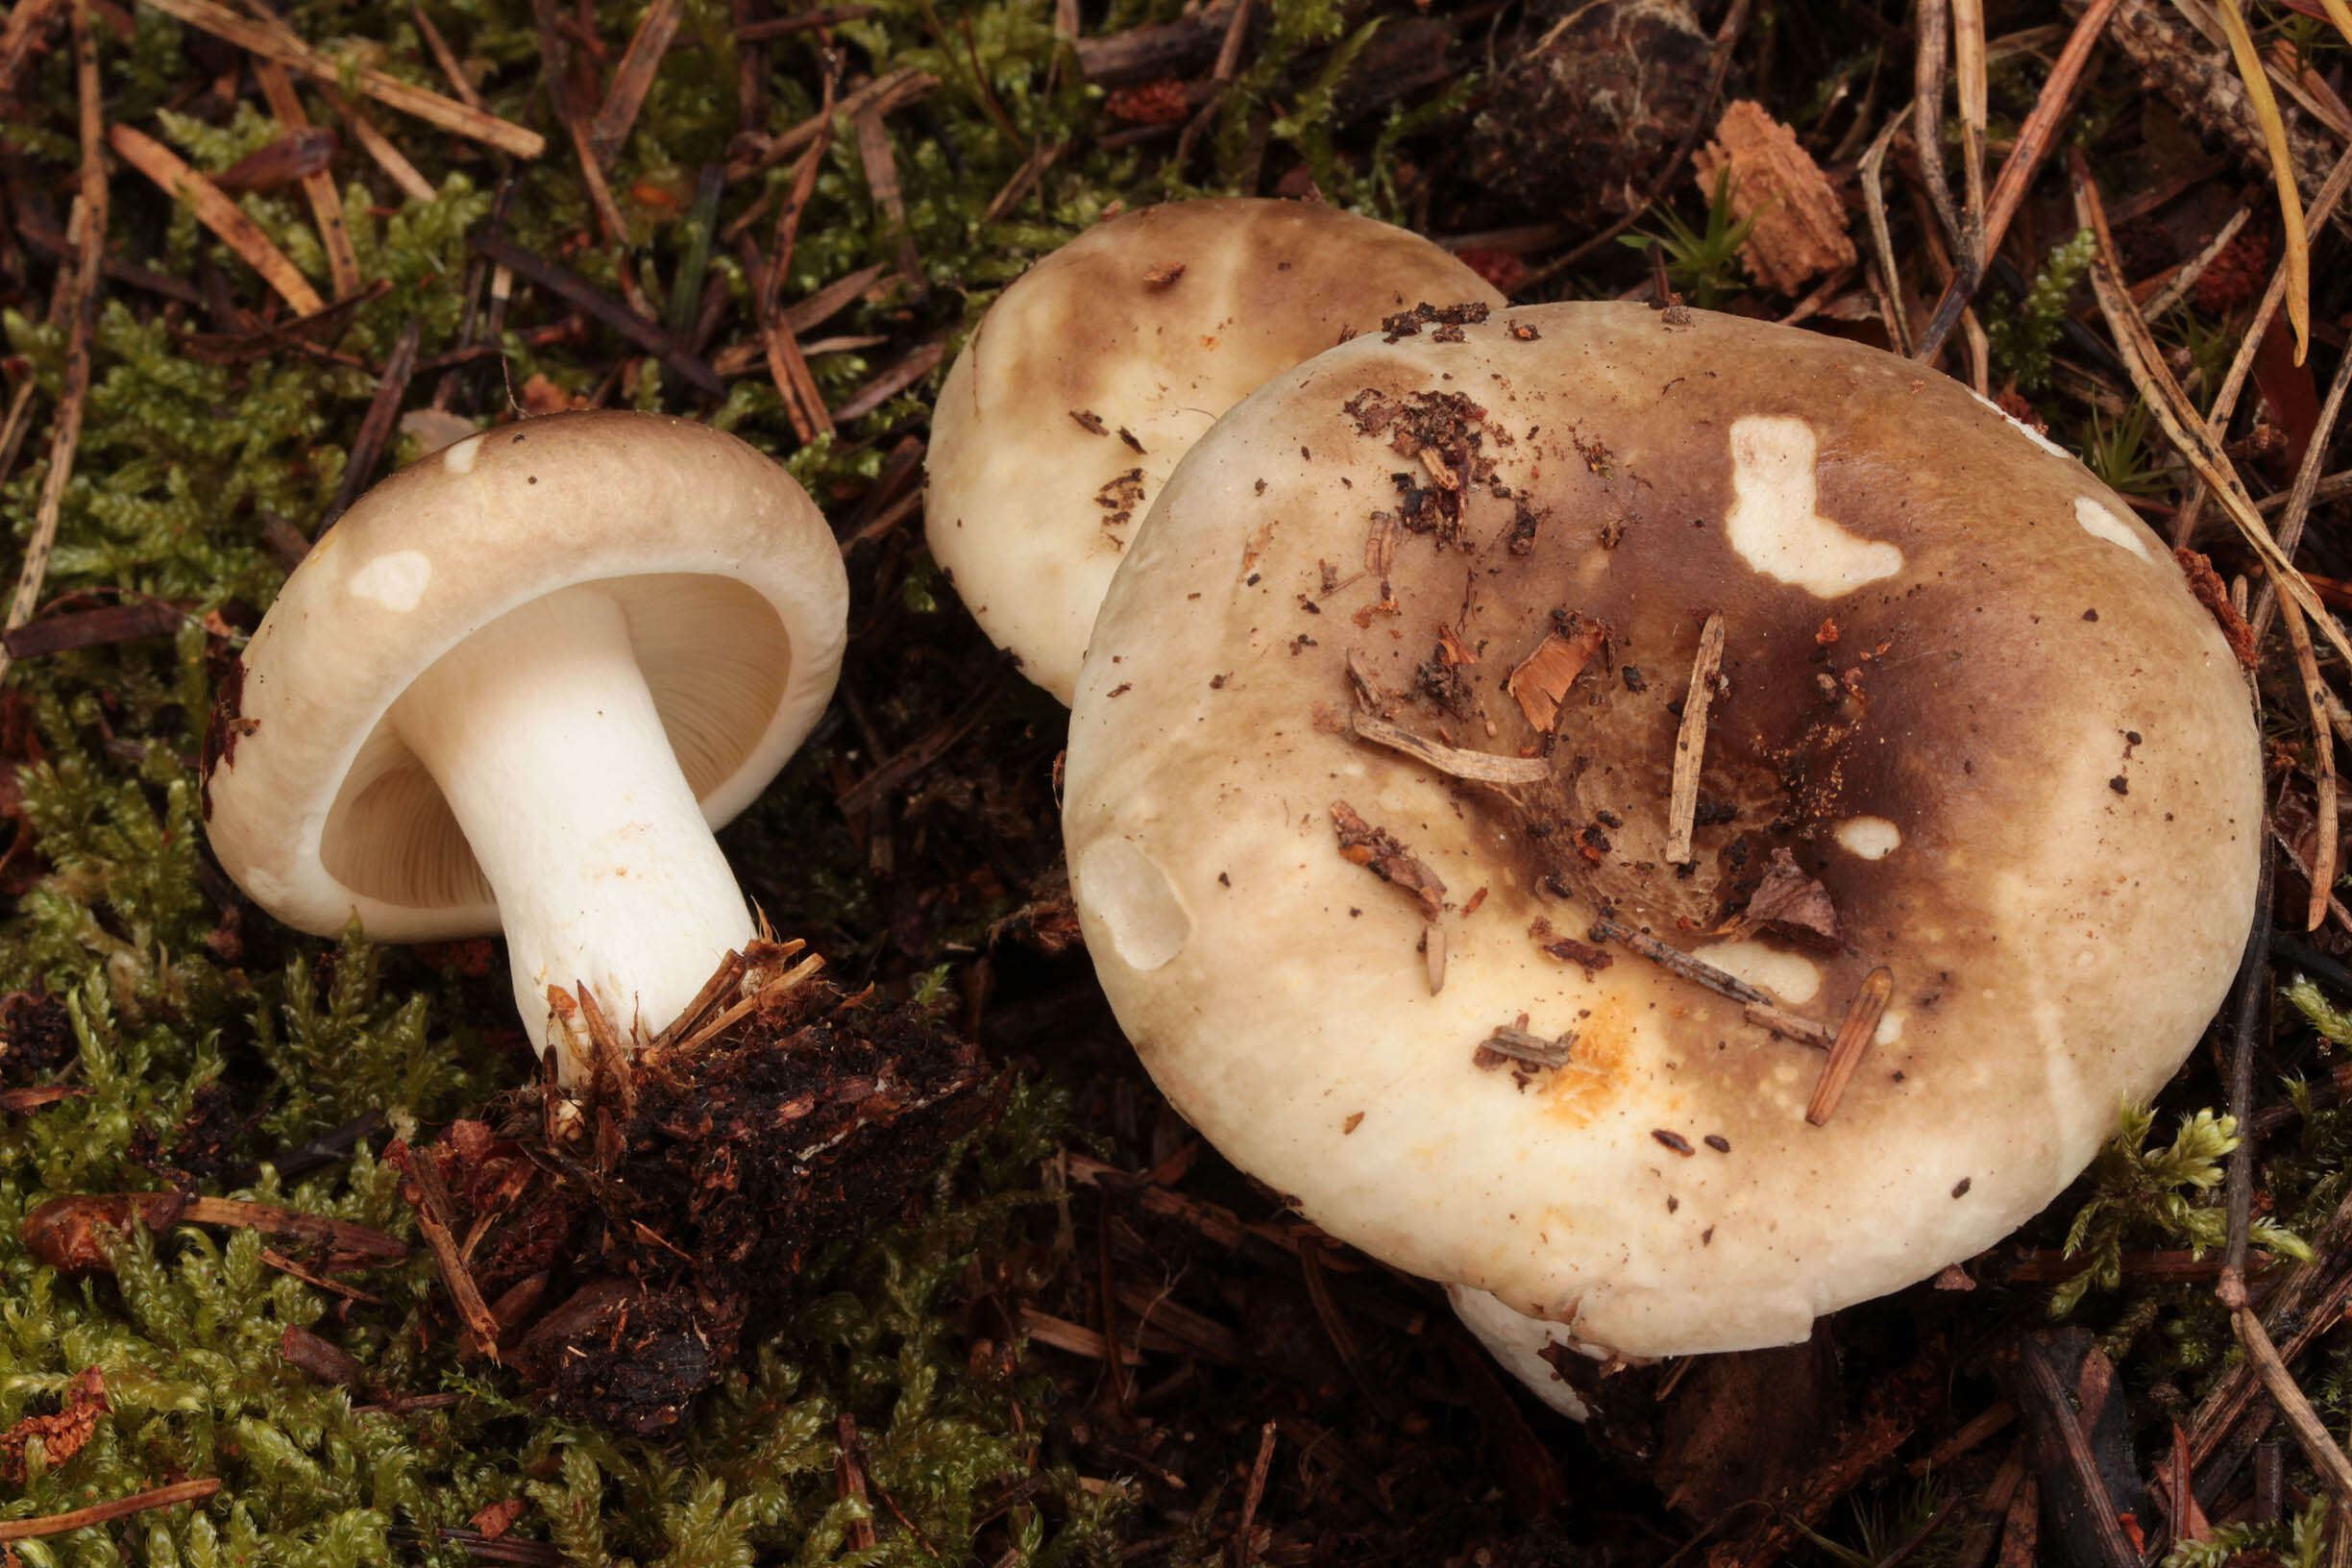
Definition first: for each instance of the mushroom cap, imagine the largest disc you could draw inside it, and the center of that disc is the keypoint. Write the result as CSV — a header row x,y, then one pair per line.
x,y
1149,326
1964,690
730,580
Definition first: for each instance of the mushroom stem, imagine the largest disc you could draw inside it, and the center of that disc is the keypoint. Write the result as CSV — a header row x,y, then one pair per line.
x,y
542,734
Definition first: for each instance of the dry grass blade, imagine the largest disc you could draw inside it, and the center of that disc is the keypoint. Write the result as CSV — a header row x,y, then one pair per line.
x,y
1969,71
216,212
2183,426
2282,171
388,90
2033,144
2340,14
1931,21
1885,279
90,210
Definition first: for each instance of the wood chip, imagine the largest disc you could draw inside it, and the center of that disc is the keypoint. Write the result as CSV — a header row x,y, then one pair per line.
x,y
1513,1042
1477,766
1690,743
1540,684
1853,1038
1434,956
1380,852
1800,228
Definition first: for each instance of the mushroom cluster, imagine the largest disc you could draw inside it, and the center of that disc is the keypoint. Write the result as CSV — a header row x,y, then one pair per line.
x,y
1668,824
1100,366
518,685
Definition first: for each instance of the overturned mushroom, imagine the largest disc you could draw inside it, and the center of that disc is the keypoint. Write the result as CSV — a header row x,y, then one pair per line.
x,y
1100,367
1971,814
518,685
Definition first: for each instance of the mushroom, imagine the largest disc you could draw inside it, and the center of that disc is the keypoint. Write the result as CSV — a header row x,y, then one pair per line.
x,y
1099,367
1384,877
519,684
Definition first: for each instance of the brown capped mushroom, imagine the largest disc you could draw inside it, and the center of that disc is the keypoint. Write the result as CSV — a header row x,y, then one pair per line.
x,y
1385,880
1096,370
518,685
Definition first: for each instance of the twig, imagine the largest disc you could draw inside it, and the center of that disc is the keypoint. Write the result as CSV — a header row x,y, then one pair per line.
x,y
23,30
884,94
431,1207
93,628
1968,73
319,186
2252,987
632,79
1931,21
2323,763
1853,1038
2305,489
2185,277
919,362
2302,1420
2024,161
800,21
591,301
1243,1552
1760,1008
1882,244
445,56
786,367
375,428
1453,761
2186,428
1690,745
216,212
99,1513
377,145
388,90
90,210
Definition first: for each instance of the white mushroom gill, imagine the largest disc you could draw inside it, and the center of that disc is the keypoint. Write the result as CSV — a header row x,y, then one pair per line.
x,y
543,737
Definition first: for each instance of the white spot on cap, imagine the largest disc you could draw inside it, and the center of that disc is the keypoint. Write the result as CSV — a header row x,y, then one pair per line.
x,y
396,581
1872,838
1125,889
460,457
2022,429
1890,1027
2101,520
1773,524
1793,979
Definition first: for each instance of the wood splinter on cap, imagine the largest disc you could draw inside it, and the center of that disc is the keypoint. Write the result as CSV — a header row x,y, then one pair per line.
x,y
1853,1037
1482,766
1755,1006
1690,745
1433,955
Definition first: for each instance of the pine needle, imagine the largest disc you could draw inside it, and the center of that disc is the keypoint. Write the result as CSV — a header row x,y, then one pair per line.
x,y
2282,168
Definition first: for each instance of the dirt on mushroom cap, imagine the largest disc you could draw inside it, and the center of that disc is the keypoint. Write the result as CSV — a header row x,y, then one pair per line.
x,y
1918,706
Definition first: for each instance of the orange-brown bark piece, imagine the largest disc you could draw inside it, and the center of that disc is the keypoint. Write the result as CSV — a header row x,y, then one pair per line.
x,y
1377,850
1540,684
1800,228
62,1434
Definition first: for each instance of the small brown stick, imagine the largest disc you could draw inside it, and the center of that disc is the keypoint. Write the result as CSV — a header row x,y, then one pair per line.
x,y
1024,180
283,1264
917,363
271,44
849,1482
377,145
319,187
1803,1030
1883,277
1520,1046
800,21
93,628
1453,761
2183,426
2185,278
2302,1420
884,93
216,212
1853,1038
1243,1552
1075,1337
446,58
375,428
2323,763
23,29
1690,745
1969,74
786,367
2024,161
1931,23
99,1513
631,80
591,301
90,210
1697,970
431,1207
13,431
